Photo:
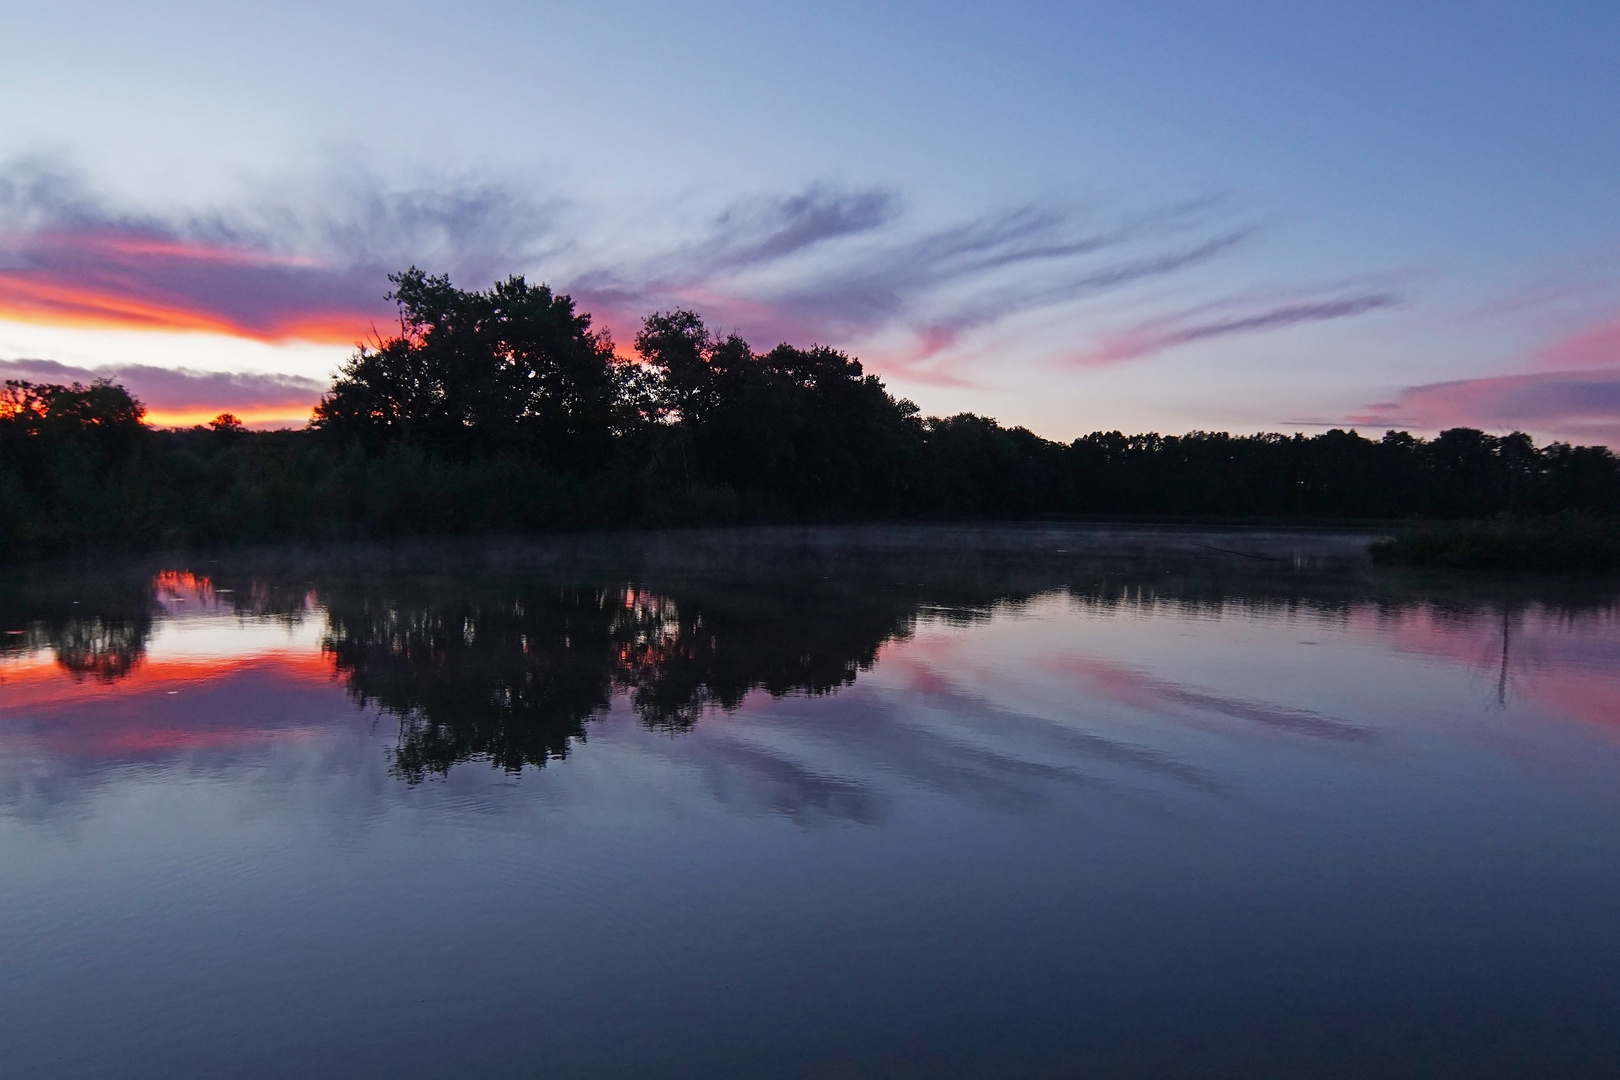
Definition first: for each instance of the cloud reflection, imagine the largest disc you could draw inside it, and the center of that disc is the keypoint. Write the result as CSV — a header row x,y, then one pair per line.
x,y
1136,689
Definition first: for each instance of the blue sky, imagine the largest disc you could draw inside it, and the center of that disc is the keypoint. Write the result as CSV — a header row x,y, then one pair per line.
x,y
1145,216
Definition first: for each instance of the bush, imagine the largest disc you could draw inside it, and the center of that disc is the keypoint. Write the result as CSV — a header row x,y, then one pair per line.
x,y
1568,543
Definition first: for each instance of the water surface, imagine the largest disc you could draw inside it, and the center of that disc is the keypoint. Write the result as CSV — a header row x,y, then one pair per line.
x,y
1030,801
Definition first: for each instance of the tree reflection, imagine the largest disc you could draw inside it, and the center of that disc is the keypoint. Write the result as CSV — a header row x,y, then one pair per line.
x,y
514,680
510,681
102,636
505,654
104,650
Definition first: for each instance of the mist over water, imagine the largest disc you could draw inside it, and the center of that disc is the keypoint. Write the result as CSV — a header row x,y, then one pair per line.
x,y
1022,801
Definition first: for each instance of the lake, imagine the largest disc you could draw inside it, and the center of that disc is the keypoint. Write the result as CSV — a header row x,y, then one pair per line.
x,y
1024,801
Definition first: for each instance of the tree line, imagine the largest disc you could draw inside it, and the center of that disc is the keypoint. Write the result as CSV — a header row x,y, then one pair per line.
x,y
505,409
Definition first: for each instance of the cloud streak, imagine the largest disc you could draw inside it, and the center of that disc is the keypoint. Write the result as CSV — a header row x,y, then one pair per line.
x,y
761,232
824,264
842,268
1151,338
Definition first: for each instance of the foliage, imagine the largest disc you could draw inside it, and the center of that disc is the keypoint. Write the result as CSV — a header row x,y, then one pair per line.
x,y
511,370
70,464
1567,543
795,431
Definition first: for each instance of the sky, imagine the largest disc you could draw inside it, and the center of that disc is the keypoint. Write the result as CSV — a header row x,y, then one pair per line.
x,y
1158,216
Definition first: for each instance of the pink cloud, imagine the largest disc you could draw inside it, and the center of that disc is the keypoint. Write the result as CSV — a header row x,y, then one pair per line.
x,y
829,268
825,265
1597,347
1579,405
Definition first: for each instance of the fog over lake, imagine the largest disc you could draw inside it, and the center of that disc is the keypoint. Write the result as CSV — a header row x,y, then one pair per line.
x,y
811,802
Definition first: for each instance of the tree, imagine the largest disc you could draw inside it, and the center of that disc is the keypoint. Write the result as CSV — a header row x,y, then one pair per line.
x,y
101,416
799,431
511,369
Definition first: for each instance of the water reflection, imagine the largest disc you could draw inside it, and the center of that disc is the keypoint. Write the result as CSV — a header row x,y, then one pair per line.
x,y
514,678
506,654
103,639
1038,801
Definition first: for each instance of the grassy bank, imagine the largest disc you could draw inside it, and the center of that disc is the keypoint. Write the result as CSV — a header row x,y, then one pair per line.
x,y
1568,543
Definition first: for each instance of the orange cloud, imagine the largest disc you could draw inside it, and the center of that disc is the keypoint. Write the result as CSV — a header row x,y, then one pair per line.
x,y
106,277
64,304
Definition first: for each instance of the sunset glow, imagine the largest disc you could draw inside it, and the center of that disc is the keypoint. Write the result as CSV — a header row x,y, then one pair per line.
x,y
293,414
48,303
111,278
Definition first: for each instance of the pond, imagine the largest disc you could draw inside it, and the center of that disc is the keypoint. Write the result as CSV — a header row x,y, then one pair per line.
x,y
1039,801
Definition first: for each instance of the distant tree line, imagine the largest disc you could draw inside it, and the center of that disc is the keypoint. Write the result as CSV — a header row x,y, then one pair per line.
x,y
505,410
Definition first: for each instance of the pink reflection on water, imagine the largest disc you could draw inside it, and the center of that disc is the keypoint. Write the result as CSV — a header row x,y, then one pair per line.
x,y
1570,664
1559,664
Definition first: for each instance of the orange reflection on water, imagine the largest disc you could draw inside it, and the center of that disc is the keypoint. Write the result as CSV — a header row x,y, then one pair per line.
x,y
209,683
40,680
166,704
182,583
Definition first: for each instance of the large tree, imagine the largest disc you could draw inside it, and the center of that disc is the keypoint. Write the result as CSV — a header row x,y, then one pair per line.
x,y
512,369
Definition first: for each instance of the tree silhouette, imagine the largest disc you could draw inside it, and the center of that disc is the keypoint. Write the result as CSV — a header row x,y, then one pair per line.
x,y
511,369
504,409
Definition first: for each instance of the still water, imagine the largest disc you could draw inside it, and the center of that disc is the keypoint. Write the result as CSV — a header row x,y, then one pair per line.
x,y
1023,802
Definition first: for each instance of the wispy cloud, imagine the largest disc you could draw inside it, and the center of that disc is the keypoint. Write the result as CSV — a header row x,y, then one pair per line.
x,y
838,265
760,232
870,276
181,397
263,272
1243,317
